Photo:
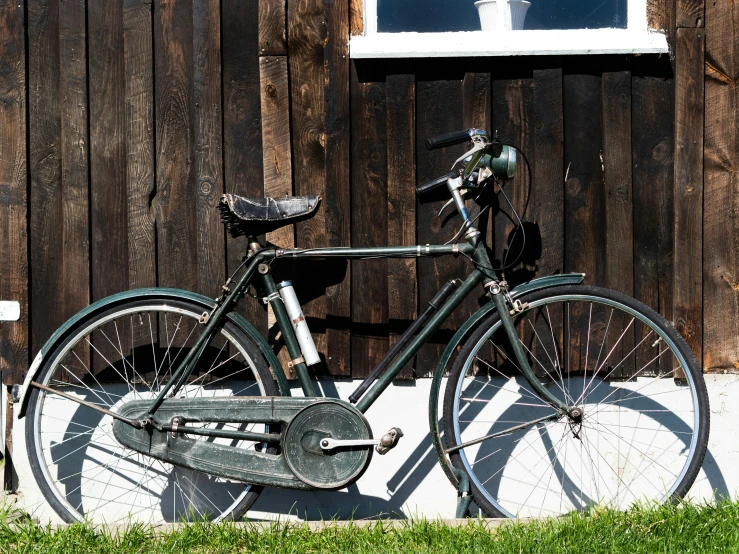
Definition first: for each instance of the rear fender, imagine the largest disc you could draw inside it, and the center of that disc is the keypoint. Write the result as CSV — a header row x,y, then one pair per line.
x,y
172,294
460,336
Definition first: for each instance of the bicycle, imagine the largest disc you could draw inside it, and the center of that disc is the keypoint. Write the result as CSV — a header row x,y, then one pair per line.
x,y
162,404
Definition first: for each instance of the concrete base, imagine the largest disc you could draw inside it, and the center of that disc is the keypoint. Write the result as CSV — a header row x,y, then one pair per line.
x,y
408,482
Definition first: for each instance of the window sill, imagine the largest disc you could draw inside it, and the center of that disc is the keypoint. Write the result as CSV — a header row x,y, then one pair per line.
x,y
509,43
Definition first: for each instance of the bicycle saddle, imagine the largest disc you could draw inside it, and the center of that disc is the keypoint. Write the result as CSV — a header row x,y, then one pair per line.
x,y
244,215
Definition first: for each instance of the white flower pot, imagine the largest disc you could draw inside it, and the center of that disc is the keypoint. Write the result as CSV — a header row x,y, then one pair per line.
x,y
502,15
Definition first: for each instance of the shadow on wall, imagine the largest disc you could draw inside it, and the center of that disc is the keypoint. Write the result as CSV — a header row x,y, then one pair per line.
x,y
351,503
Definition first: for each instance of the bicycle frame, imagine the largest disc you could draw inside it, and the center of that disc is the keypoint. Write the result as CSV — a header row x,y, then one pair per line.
x,y
259,261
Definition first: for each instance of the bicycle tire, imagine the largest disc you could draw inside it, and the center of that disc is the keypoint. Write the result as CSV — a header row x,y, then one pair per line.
x,y
500,485
86,441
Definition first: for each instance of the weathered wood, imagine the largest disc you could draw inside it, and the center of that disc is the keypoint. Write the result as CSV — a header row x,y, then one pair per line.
x,y
175,201
272,33
547,159
139,135
584,202
356,10
401,205
14,336
306,35
242,141
337,120
689,120
721,189
439,109
617,178
46,217
513,120
208,150
276,151
277,157
477,113
369,225
690,13
108,194
652,170
653,189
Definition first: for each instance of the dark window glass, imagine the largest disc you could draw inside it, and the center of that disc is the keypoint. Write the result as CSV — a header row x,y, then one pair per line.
x,y
430,16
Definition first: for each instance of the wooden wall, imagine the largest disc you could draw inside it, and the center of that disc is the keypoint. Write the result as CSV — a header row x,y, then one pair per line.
x,y
122,122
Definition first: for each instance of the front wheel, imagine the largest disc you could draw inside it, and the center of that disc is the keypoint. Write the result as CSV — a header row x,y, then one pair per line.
x,y
641,430
128,352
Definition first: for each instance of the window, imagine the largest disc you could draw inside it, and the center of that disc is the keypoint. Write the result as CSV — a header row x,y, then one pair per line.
x,y
448,28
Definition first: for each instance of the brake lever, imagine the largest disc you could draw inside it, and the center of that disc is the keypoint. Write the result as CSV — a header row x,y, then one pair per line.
x,y
478,146
450,202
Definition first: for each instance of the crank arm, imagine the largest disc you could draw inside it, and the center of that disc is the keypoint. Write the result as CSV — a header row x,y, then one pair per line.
x,y
330,444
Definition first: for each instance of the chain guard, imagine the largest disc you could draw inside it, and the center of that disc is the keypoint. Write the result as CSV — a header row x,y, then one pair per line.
x,y
301,465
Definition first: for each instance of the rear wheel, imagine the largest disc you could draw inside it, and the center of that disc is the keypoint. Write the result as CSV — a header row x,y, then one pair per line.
x,y
642,428
128,352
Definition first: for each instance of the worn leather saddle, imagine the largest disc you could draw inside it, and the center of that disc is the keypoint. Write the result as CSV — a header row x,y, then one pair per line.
x,y
243,215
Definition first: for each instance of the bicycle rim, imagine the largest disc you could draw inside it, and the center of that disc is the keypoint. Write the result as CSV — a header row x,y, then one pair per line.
x,y
640,431
128,354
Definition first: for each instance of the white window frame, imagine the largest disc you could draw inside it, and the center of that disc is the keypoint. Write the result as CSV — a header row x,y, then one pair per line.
x,y
637,38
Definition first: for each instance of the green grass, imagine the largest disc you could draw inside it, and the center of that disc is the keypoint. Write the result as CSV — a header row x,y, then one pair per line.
x,y
684,528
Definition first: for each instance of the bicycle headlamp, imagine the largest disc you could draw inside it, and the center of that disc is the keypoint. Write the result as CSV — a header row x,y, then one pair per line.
x,y
502,162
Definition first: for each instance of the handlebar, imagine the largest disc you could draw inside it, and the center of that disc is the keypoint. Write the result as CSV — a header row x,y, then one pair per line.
x,y
450,139
439,182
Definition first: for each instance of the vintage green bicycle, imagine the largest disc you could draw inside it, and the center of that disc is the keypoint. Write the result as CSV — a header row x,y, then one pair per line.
x,y
160,404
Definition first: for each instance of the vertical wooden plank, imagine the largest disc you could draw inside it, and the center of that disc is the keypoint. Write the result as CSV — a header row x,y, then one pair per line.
x,y
272,34
690,13
337,118
477,101
369,224
547,158
439,109
401,205
108,194
175,202
356,9
721,189
689,121
653,112
584,199
13,193
242,127
306,35
617,178
74,148
208,151
140,182
46,217
276,150
513,120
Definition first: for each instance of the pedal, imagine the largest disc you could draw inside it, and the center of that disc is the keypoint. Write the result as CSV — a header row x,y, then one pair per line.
x,y
389,440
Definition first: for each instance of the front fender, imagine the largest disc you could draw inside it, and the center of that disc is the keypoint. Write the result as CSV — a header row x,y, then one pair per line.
x,y
460,335
101,305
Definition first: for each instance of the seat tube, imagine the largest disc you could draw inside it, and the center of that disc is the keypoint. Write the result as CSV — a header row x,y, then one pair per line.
x,y
288,334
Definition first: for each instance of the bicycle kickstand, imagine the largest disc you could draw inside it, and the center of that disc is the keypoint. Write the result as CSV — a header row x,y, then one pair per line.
x,y
464,497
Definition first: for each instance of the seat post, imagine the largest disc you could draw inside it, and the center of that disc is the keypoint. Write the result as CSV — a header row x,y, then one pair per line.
x,y
254,244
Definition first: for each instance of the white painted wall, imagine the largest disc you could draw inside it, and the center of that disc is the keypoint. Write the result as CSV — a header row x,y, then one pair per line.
x,y
408,481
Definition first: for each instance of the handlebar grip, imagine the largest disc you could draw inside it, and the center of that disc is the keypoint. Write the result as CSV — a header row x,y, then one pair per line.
x,y
448,139
436,183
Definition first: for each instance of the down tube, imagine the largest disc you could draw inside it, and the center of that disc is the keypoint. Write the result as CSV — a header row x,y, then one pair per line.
x,y
475,278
